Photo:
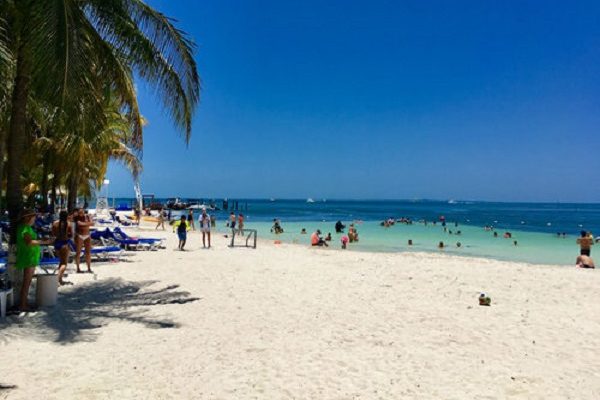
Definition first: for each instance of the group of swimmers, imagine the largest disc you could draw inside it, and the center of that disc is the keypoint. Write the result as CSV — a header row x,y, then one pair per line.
x,y
391,221
350,237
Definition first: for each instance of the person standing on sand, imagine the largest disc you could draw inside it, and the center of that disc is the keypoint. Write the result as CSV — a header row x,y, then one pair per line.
x,y
137,215
231,223
28,253
190,219
205,224
182,227
63,232
585,243
83,239
241,223
161,220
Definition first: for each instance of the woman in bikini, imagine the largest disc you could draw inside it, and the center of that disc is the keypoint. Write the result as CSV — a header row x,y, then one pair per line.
x,y
83,239
63,232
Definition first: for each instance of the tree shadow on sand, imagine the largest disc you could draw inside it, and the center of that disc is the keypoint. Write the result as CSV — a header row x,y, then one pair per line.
x,y
83,309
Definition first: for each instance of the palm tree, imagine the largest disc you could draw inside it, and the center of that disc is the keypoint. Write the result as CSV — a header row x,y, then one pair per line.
x,y
90,149
66,52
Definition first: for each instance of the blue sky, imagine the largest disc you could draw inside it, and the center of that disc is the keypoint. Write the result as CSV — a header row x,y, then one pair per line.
x,y
488,100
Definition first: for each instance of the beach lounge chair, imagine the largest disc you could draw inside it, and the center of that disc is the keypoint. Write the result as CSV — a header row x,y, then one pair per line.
x,y
108,239
127,244
97,234
153,242
107,252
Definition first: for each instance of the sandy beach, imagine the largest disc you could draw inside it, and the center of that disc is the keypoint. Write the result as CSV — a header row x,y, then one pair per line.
x,y
291,322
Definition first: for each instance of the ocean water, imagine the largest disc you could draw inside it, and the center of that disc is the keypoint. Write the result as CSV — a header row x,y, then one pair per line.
x,y
533,225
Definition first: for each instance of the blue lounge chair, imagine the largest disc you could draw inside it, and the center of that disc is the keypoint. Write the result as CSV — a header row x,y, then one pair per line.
x,y
153,242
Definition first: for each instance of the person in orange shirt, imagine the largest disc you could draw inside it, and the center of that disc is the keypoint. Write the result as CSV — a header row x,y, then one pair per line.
x,y
316,240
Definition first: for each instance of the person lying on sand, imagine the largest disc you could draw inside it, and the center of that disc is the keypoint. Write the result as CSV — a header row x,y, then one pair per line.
x,y
584,262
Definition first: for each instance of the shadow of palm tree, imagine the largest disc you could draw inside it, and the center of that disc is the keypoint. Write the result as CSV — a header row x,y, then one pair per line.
x,y
83,309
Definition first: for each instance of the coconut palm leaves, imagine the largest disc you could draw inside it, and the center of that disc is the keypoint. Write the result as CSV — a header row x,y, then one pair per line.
x,y
68,54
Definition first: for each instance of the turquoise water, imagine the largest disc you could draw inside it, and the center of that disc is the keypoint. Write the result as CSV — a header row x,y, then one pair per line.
x,y
533,225
532,247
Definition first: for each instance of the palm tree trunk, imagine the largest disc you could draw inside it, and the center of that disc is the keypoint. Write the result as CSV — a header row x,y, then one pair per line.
x,y
44,183
72,196
2,151
55,181
16,139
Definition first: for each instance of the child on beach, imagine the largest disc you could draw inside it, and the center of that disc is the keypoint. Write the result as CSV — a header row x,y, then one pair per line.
x,y
182,227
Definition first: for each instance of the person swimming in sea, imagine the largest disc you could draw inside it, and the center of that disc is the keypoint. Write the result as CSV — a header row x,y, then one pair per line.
x,y
316,240
352,234
344,241
276,229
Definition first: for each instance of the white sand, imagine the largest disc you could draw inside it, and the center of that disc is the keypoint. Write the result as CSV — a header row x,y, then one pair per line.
x,y
290,322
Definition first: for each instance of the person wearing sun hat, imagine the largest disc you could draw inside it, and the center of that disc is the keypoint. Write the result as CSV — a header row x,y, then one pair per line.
x,y
28,253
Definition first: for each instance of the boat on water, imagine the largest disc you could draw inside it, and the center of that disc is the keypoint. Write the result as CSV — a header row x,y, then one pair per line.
x,y
177,204
202,206
309,200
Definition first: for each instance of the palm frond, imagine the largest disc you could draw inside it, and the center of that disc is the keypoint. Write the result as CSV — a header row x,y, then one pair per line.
x,y
157,51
